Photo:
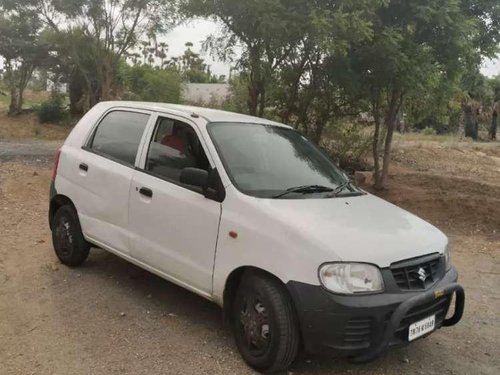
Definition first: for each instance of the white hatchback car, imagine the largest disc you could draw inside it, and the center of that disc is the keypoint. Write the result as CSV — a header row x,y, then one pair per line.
x,y
251,215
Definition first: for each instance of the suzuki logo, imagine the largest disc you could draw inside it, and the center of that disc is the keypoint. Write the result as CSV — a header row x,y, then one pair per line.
x,y
422,275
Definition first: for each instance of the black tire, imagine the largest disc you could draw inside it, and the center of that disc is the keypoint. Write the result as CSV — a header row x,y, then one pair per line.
x,y
67,237
264,323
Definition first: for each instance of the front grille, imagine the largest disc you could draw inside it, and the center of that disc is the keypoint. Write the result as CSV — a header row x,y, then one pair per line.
x,y
436,307
357,333
417,274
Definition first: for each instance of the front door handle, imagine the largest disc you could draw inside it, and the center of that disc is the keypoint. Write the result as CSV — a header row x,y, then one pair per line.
x,y
146,192
83,167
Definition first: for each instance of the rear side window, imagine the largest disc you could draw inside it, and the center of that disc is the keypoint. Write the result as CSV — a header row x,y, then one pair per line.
x,y
118,135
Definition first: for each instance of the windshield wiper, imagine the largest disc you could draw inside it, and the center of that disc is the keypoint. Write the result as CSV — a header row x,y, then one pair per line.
x,y
306,189
341,187
352,193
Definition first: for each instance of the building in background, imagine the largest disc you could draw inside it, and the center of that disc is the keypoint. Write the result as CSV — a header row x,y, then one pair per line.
x,y
59,87
205,93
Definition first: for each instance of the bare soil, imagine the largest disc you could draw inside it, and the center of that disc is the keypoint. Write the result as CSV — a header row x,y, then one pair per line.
x,y
26,126
110,317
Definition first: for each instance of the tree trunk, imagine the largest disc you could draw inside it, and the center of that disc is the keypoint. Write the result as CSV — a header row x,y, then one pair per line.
x,y
302,115
254,83
106,91
107,81
375,147
400,126
390,124
318,131
13,102
76,84
380,184
262,102
377,141
294,91
10,79
493,127
470,122
20,100
25,73
253,100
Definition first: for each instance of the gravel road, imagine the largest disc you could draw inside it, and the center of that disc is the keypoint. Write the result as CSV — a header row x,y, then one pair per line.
x,y
28,150
110,317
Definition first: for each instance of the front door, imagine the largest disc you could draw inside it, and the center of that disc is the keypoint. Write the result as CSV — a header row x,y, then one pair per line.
x,y
173,226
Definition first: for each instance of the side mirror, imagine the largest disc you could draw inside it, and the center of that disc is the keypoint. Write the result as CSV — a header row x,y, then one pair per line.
x,y
194,177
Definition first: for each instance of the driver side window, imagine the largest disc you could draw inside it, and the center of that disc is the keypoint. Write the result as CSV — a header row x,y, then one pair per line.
x,y
173,147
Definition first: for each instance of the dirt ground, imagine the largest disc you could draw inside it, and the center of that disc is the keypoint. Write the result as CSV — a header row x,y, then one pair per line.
x,y
110,317
26,126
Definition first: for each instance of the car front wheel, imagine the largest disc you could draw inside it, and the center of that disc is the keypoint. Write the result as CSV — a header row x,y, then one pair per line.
x,y
264,322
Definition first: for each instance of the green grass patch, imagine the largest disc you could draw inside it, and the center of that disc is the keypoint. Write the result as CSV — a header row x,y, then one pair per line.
x,y
29,102
4,101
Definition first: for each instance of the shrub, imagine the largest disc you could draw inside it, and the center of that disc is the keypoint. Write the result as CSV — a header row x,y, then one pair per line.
x,y
52,110
349,143
429,131
144,82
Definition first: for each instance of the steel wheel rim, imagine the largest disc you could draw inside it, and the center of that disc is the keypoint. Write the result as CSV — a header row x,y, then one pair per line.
x,y
254,326
64,238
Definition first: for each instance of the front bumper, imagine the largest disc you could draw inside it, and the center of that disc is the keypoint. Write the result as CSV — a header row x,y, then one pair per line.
x,y
363,327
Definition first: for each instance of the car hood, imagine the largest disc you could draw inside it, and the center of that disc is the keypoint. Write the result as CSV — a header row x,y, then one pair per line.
x,y
357,229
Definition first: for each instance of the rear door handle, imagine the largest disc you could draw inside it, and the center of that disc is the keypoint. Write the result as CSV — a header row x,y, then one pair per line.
x,y
83,167
146,192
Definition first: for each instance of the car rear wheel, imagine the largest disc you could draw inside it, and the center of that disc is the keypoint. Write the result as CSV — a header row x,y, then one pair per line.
x,y
264,323
69,244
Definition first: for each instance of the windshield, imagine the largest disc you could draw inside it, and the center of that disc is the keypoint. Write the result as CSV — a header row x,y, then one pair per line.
x,y
270,161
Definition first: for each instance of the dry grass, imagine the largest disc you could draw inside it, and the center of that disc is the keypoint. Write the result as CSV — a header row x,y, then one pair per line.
x,y
441,138
26,126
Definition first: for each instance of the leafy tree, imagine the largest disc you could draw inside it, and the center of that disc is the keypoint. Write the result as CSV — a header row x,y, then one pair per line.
x,y
495,87
144,82
238,99
162,53
107,30
314,83
193,67
265,28
494,124
312,62
476,94
21,49
436,106
414,45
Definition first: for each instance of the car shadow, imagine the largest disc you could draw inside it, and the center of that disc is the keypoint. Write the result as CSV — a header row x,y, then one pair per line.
x,y
136,291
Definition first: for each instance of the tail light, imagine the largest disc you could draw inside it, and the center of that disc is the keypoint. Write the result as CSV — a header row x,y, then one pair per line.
x,y
56,164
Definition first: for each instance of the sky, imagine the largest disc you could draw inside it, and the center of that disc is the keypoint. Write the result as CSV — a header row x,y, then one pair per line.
x,y
491,68
197,31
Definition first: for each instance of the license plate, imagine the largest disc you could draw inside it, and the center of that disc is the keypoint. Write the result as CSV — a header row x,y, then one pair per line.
x,y
421,327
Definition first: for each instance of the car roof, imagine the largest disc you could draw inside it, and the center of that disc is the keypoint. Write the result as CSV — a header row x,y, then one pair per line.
x,y
211,115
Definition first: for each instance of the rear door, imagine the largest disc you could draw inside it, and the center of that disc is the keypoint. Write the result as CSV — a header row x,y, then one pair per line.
x,y
173,226
104,169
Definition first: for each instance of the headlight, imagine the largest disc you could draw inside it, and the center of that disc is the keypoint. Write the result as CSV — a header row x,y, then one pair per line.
x,y
351,278
447,261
